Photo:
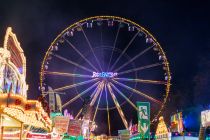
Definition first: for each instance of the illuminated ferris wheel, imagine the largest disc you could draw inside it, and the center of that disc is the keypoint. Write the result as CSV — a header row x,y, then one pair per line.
x,y
111,60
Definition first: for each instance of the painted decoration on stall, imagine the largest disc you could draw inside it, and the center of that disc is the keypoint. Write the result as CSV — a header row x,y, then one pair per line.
x,y
144,119
58,102
177,123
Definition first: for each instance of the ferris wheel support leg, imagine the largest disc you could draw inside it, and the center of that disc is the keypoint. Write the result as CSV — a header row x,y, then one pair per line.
x,y
107,109
99,87
127,99
109,126
118,106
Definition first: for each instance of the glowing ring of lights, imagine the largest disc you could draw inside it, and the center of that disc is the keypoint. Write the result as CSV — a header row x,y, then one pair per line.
x,y
132,26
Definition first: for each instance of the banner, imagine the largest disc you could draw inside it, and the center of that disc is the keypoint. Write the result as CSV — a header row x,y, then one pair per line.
x,y
144,119
51,99
58,101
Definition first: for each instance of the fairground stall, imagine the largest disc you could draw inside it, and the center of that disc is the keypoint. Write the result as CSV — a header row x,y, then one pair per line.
x,y
20,118
205,123
162,132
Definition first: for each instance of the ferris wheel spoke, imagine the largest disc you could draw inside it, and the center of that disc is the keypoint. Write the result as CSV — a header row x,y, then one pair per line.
x,y
142,81
80,94
118,106
98,90
140,68
126,98
66,74
75,85
107,109
97,105
91,48
115,41
70,44
71,62
134,58
138,92
124,50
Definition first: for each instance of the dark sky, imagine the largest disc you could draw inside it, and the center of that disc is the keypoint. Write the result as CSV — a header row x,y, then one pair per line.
x,y
181,27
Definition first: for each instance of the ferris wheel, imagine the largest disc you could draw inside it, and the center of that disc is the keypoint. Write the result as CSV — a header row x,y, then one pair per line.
x,y
111,60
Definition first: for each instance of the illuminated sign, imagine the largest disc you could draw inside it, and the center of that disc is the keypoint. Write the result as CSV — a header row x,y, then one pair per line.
x,y
162,130
11,136
144,119
74,128
205,118
34,136
104,74
61,124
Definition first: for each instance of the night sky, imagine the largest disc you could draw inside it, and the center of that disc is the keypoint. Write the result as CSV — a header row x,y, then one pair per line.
x,y
182,28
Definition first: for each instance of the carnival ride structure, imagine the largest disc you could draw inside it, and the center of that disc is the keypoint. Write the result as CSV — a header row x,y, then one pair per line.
x,y
113,61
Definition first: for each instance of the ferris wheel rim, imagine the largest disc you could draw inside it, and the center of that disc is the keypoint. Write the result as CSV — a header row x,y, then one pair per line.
x,y
166,64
